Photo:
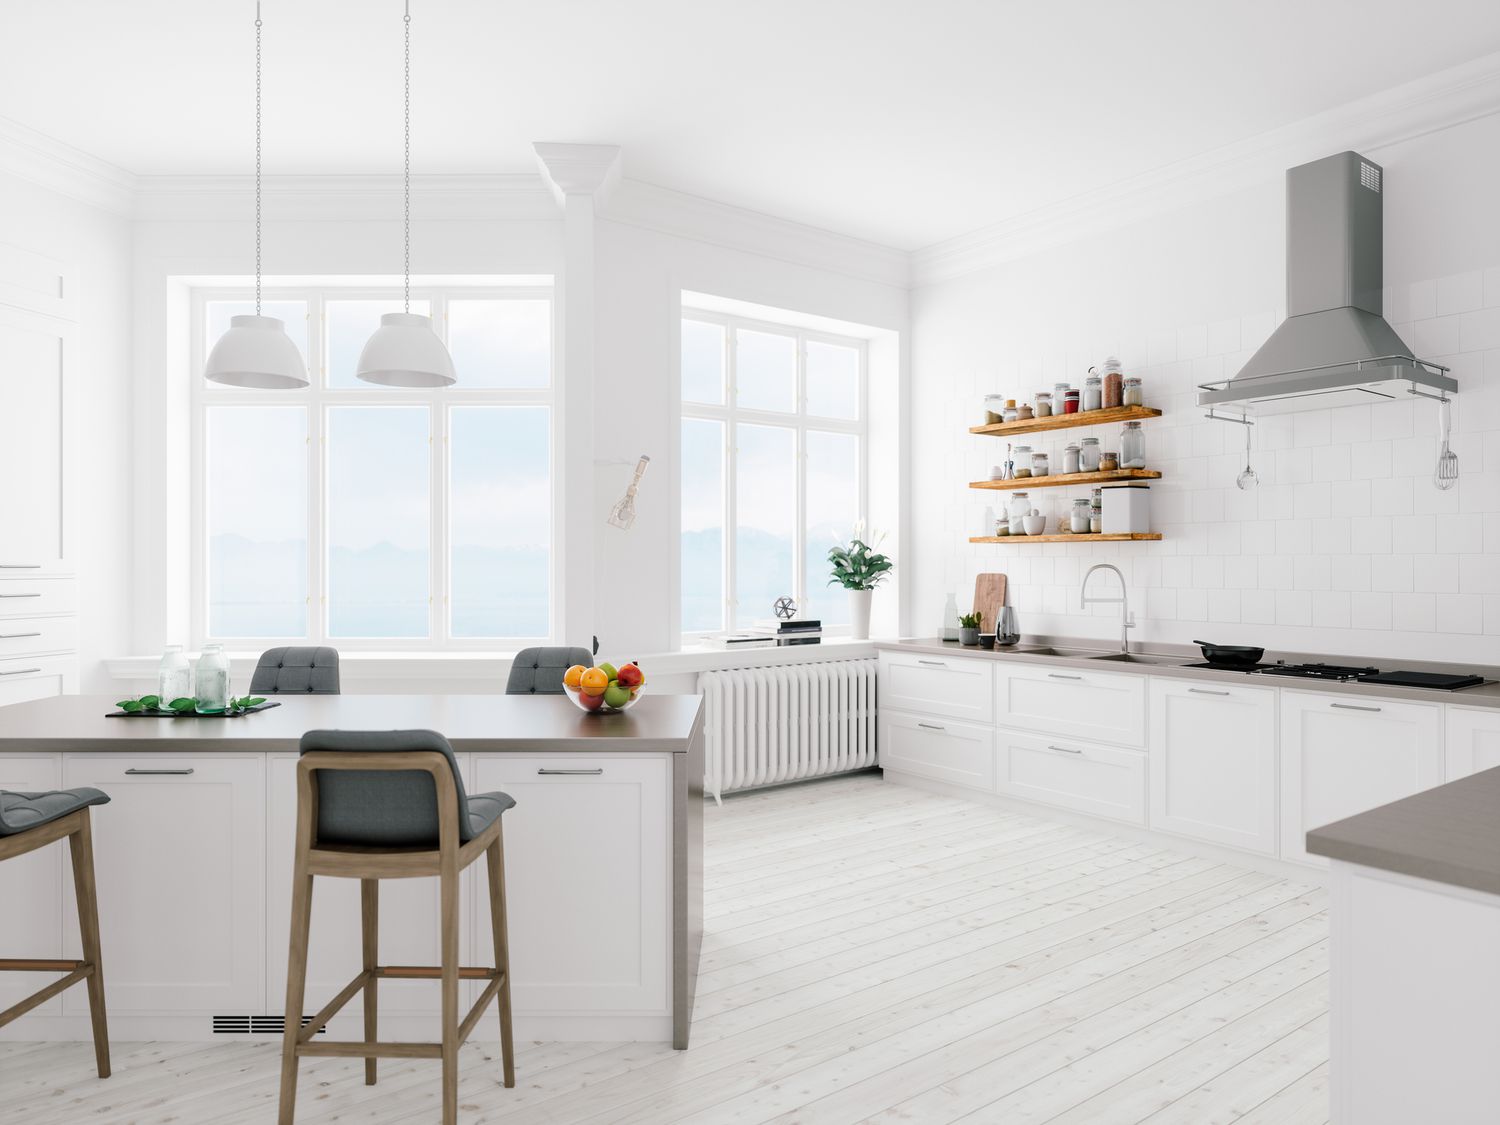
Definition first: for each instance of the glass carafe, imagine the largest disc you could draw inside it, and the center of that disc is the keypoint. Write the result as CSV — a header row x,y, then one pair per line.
x,y
211,686
174,676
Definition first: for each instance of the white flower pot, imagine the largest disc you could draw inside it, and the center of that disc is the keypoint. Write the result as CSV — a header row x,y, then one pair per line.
x,y
859,614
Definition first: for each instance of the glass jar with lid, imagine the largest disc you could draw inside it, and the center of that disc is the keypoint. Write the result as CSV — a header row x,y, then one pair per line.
x,y
1132,446
1040,463
1096,510
994,409
1059,392
1088,455
1008,414
1132,392
1083,512
1018,507
1022,455
1093,393
1071,459
1110,372
1043,406
1109,461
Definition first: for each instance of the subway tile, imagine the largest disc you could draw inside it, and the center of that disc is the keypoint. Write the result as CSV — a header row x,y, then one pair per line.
x,y
1331,536
1413,456
1435,574
1459,613
1161,347
1417,534
1312,572
1192,605
1208,505
1293,607
1176,572
1369,459
1331,462
1330,609
1479,492
1391,496
1276,572
1293,466
1193,342
1492,614
1350,497
1413,613
1369,611
1242,572
1479,574
1468,534
1224,335
1460,292
1311,427
1223,606
1313,500
1492,286
1224,538
1161,604
1391,420
1293,537
1391,573
1258,537
1422,299
1478,331
1208,571
1274,432
1258,607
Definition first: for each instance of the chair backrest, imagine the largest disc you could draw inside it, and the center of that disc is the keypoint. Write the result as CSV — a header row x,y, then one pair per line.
x,y
297,671
394,808
539,671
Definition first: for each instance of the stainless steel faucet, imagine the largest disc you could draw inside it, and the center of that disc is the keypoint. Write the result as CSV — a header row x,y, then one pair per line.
x,y
1084,601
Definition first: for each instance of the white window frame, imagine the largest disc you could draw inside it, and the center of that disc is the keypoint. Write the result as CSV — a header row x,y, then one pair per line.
x,y
731,414
317,399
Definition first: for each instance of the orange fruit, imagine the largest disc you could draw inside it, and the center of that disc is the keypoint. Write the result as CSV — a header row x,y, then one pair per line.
x,y
593,681
574,676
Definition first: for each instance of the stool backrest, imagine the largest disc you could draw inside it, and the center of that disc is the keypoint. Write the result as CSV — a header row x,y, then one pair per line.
x,y
539,671
297,671
382,808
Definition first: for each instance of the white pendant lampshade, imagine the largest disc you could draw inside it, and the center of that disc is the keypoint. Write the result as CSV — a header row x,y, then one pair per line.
x,y
256,352
406,352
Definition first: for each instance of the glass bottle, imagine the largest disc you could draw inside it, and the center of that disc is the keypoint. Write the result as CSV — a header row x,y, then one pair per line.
x,y
1088,455
1082,512
1019,506
1093,393
949,629
1009,412
211,687
1132,393
174,676
1132,446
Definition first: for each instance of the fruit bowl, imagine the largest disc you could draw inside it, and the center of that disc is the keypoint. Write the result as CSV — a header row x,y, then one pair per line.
x,y
595,705
600,691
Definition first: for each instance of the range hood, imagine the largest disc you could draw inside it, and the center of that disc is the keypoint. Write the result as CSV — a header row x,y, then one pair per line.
x,y
1334,348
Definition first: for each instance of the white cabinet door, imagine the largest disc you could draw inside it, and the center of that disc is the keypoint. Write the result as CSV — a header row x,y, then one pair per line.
x,y
31,888
944,750
1473,741
179,854
1099,780
1080,703
33,452
1213,763
954,687
588,857
1345,756
37,677
410,912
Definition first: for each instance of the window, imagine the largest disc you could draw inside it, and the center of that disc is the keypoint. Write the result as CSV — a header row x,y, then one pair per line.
x,y
378,517
773,435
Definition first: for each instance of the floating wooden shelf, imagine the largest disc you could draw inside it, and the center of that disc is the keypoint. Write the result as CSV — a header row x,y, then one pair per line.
x,y
1077,537
1060,480
1068,421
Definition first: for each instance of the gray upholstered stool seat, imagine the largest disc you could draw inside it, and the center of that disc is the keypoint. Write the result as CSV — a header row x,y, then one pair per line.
x,y
20,811
539,671
295,670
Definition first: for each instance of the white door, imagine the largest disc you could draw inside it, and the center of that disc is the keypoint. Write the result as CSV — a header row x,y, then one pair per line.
x,y
179,854
588,856
31,891
409,919
944,750
1077,703
1213,763
33,534
1473,742
1345,756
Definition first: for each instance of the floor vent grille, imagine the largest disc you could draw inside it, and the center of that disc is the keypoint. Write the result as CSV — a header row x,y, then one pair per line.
x,y
255,1025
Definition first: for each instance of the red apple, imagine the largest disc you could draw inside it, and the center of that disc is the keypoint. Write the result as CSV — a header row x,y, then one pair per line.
x,y
590,702
630,675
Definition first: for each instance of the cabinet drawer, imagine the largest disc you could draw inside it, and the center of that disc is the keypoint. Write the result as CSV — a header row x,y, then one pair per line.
x,y
37,677
952,687
37,634
31,597
1473,741
944,750
1080,703
1073,775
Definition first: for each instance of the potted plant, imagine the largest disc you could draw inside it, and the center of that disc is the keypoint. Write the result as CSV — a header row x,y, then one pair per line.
x,y
858,568
968,628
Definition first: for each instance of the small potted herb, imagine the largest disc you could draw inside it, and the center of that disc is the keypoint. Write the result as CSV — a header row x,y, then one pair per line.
x,y
968,628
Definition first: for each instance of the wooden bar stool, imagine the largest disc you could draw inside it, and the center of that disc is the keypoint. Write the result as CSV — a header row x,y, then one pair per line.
x,y
375,805
33,820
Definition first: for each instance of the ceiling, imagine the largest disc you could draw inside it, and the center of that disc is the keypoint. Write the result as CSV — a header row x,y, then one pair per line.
x,y
900,121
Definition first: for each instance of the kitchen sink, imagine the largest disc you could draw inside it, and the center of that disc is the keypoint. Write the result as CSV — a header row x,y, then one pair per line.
x,y
1142,658
1048,650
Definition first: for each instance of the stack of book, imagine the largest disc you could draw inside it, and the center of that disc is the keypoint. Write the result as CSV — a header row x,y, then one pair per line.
x,y
772,636
799,632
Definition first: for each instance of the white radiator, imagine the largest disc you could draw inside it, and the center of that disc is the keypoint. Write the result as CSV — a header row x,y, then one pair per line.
x,y
769,725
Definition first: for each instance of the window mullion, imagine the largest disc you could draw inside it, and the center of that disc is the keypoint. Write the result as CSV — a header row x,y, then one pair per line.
x,y
731,538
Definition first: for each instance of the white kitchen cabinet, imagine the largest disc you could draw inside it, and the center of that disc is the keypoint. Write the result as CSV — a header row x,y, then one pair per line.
x,y
1099,780
1341,756
1078,703
37,677
1472,743
1213,763
31,888
954,687
35,453
588,860
21,636
36,597
942,749
179,860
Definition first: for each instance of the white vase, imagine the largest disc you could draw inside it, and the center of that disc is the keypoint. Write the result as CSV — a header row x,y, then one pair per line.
x,y
859,614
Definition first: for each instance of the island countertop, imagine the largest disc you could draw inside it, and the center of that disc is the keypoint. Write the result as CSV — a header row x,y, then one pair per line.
x,y
472,723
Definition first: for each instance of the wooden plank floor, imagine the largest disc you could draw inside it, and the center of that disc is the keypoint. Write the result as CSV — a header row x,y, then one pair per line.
x,y
873,954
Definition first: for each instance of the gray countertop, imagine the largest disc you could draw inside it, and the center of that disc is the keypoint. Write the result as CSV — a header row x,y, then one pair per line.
x,y
472,723
1173,660
1450,834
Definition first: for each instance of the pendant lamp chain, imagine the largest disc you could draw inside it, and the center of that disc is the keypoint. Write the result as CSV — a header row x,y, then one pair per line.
x,y
257,157
407,265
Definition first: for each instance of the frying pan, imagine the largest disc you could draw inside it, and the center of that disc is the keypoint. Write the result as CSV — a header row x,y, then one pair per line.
x,y
1230,654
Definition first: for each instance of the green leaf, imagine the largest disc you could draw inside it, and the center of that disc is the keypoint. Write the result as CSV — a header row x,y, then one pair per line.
x,y
124,703
181,705
256,701
150,702
130,706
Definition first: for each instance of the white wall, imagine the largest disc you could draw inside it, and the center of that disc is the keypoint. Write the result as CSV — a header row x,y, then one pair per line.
x,y
1345,547
97,243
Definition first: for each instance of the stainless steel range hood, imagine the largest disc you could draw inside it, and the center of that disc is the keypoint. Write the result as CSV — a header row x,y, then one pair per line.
x,y
1334,348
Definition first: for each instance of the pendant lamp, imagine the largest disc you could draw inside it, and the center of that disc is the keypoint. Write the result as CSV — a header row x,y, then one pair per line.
x,y
405,351
256,351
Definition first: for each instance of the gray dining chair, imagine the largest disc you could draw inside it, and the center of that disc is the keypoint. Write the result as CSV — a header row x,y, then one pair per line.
x,y
539,671
297,671
375,805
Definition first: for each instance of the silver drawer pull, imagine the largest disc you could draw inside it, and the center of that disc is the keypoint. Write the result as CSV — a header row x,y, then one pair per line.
x,y
33,595
1064,750
934,663
572,773
1206,691
20,672
157,773
932,726
20,566
1353,707
1061,676
16,636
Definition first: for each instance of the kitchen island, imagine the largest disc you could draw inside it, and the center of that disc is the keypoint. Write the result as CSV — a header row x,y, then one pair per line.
x,y
604,864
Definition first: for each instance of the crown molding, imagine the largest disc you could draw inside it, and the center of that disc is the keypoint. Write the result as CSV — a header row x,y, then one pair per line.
x,y
572,169
29,155
1426,105
736,228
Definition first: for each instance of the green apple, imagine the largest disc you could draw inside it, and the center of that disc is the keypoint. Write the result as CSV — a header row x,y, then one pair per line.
x,y
609,670
616,696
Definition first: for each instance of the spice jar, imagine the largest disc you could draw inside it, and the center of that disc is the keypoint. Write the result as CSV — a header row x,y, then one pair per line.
x,y
1071,459
1082,514
1071,402
1113,382
994,409
1132,392
1023,412
1009,413
1022,455
1109,461
1093,393
1132,447
1017,509
1039,463
1088,455
1043,404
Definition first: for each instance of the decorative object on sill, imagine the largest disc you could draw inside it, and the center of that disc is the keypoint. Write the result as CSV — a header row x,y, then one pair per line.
x,y
174,676
1043,404
989,594
1446,475
986,640
604,689
1114,386
211,681
405,351
256,351
1126,509
1007,627
622,515
1109,461
948,630
1093,392
1035,523
968,629
784,608
859,568
1132,394
807,631
1132,446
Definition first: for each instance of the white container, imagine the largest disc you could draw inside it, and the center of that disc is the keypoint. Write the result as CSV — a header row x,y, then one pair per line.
x,y
948,631
1126,510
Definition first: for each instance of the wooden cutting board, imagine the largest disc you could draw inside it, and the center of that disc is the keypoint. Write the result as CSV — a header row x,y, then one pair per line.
x,y
989,596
